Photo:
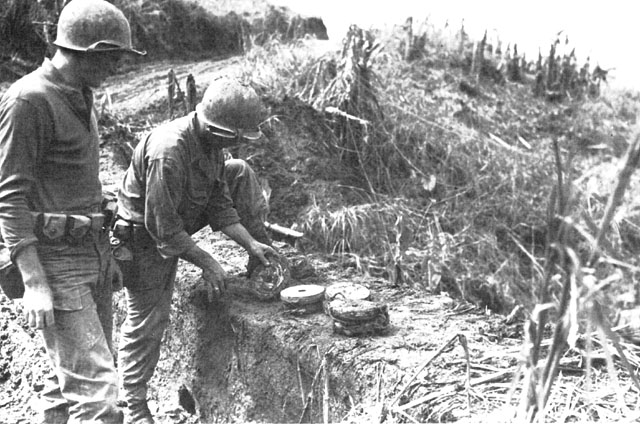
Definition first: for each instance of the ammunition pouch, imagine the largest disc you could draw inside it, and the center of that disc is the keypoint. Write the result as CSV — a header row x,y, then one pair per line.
x,y
50,228
59,228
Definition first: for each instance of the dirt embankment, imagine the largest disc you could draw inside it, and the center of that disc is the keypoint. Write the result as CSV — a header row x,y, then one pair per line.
x,y
241,360
246,360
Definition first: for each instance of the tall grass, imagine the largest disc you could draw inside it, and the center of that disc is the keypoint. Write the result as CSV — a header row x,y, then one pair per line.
x,y
417,164
468,197
572,294
478,165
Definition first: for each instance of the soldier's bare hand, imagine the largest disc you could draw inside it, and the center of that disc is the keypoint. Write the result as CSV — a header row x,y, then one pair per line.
x,y
37,300
262,251
38,306
214,277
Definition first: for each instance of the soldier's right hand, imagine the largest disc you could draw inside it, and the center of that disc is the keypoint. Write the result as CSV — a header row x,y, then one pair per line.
x,y
214,277
37,301
38,305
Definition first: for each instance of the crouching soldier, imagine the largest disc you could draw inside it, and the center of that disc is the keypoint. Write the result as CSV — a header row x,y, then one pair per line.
x,y
51,216
178,182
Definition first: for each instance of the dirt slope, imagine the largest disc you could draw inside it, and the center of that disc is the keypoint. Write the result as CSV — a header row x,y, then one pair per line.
x,y
243,360
246,360
255,373
263,365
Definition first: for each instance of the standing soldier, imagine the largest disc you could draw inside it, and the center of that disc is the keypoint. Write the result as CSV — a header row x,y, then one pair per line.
x,y
177,183
51,209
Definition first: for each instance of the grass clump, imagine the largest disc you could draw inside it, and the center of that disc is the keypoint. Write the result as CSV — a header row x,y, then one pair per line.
x,y
427,143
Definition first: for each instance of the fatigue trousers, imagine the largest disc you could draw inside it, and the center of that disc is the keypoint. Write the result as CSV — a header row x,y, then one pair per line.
x,y
148,298
84,387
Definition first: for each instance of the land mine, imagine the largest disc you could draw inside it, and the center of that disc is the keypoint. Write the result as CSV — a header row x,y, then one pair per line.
x,y
485,198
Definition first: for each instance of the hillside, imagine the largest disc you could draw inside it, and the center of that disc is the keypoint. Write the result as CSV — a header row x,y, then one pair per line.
x,y
429,176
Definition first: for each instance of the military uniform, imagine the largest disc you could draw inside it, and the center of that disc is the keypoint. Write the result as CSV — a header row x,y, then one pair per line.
x,y
51,196
176,184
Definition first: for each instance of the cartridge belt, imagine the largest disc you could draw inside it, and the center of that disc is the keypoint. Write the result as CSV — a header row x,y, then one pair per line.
x,y
55,228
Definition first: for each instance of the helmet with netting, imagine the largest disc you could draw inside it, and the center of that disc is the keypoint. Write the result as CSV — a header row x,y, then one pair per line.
x,y
94,26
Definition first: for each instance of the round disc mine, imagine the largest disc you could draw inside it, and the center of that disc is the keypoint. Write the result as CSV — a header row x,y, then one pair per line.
x,y
346,290
304,294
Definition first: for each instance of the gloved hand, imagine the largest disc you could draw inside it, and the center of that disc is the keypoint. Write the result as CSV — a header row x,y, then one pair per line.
x,y
214,277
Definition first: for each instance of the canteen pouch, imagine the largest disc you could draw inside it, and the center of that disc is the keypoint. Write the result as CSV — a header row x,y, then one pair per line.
x,y
78,226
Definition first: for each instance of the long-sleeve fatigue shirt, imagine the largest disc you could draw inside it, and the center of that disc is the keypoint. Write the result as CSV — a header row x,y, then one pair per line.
x,y
49,153
174,187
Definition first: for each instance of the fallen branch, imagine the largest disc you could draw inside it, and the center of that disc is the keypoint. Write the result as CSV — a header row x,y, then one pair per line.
x,y
463,342
422,367
335,111
458,337
615,339
452,389
310,395
427,398
492,378
300,380
407,416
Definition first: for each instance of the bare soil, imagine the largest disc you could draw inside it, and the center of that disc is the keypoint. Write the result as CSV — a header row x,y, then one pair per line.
x,y
246,360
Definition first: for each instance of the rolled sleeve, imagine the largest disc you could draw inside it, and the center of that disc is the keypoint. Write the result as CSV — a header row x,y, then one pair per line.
x,y
220,210
176,245
223,218
162,218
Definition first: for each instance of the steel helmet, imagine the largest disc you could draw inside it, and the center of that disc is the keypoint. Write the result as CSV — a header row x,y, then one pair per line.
x,y
232,107
94,26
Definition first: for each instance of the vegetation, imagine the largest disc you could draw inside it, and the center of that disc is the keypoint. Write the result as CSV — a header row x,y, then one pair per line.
x,y
459,177
167,28
441,164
